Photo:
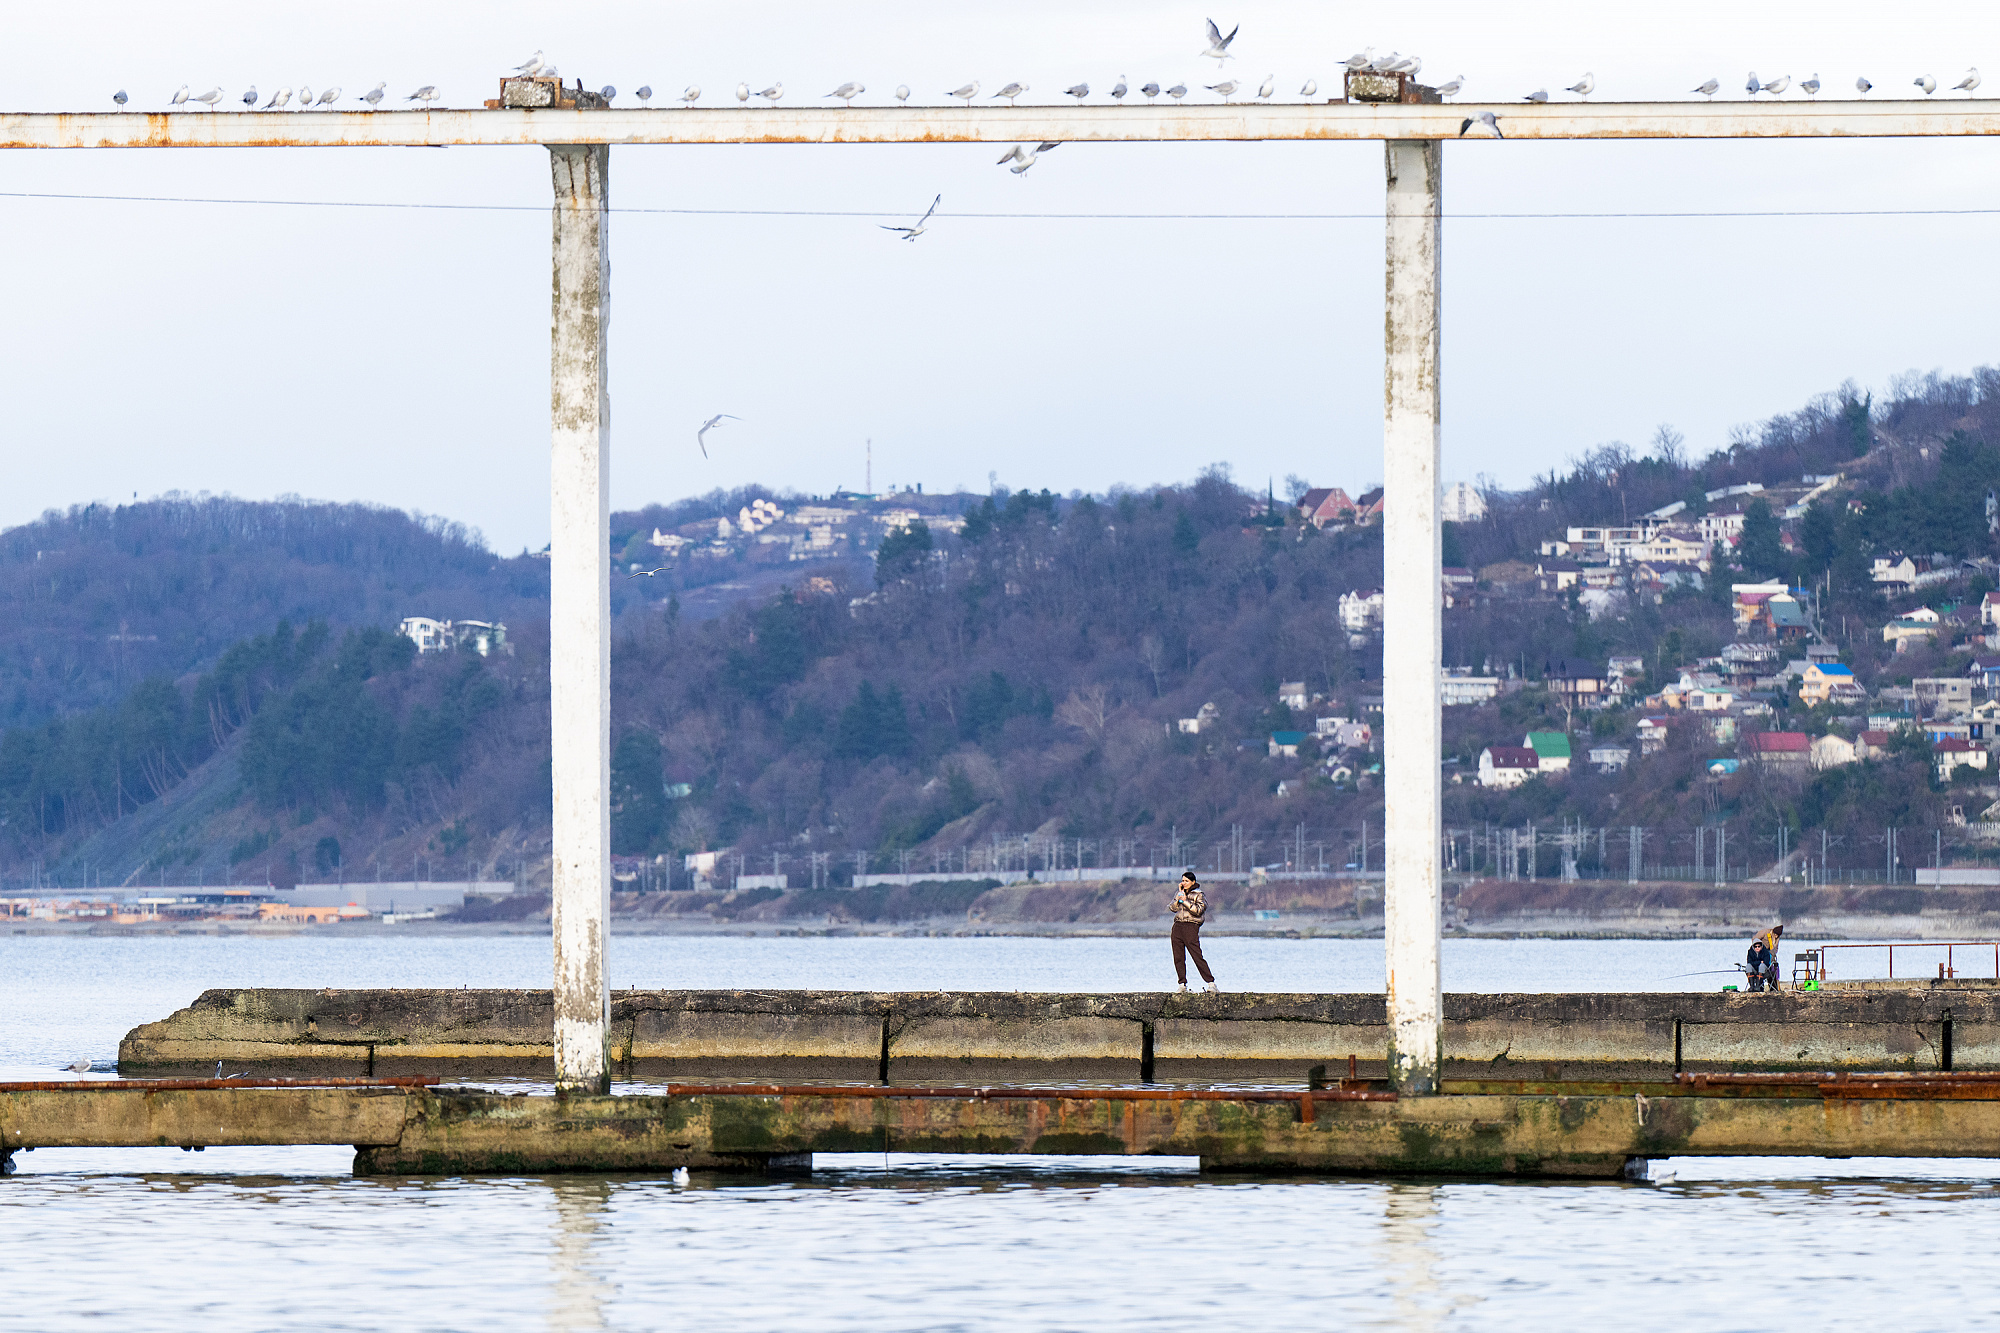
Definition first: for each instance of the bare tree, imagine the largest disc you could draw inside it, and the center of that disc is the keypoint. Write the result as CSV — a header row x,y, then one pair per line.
x,y
1084,709
1154,654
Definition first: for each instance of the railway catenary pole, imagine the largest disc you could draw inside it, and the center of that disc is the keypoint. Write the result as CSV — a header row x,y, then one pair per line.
x,y
1412,614
580,611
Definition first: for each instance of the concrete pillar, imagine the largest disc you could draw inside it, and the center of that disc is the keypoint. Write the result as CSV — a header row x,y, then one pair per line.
x,y
579,612
1412,615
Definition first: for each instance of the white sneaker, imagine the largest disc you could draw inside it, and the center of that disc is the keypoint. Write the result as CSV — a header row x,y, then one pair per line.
x,y
1210,988
1183,988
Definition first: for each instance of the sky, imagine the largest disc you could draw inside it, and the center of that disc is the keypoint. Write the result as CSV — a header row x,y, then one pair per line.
x,y
400,356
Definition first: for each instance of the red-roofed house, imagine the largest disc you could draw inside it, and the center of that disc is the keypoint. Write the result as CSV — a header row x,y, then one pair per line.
x,y
1327,504
1954,753
1783,749
1871,744
1507,765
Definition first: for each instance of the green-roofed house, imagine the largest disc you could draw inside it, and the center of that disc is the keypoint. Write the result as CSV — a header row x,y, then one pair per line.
x,y
1551,750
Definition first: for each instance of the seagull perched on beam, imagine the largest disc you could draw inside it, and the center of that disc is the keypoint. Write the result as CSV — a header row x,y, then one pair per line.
x,y
1708,89
713,422
1218,45
1118,89
1311,88
1151,90
426,94
1486,118
373,97
773,93
902,92
645,93
329,97
1268,86
1538,96
967,93
1753,87
250,98
1861,85
691,94
1810,87
1227,88
180,97
1923,81
278,99
848,91
1776,87
1079,91
527,68
1453,88
1010,92
1969,84
1584,86
1356,63
911,233
209,98
120,98
1178,91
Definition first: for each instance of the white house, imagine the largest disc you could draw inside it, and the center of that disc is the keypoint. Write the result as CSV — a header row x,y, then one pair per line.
x,y
1457,689
1361,611
1204,718
1507,765
1831,751
1460,503
1292,694
430,636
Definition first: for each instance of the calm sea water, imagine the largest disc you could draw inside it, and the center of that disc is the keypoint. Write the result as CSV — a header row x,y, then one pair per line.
x,y
256,1239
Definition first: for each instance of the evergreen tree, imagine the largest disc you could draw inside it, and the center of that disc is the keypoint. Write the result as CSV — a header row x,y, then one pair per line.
x,y
638,793
1759,550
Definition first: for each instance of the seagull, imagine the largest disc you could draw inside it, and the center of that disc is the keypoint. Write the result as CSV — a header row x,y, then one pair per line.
x,y
250,98
1861,85
329,97
279,98
1024,157
1453,88
179,98
1268,86
1486,118
1753,87
1405,65
691,94
530,65
1357,63
608,93
1010,92
1585,85
120,98
1227,88
1709,89
1381,64
1078,91
1218,45
648,573
426,94
305,97
211,97
549,72
1925,82
911,233
645,93
1810,87
1776,87
1178,91
742,92
1151,90
1311,89
1118,90
717,420
1970,83
680,1175
1539,95
773,93
902,92
373,97
78,1067
967,93
848,91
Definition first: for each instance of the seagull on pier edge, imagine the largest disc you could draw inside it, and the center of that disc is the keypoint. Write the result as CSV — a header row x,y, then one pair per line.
x,y
329,96
1810,87
120,98
527,68
1709,88
1356,63
77,1067
1311,88
1538,96
713,422
250,98
1861,85
180,97
1226,89
645,93
1010,92
1151,90
278,99
911,233
1753,86
773,93
1218,45
1453,88
742,92
1776,87
1925,82
1486,118
305,98
902,92
967,93
373,97
1268,86
209,98
691,94
1178,91
1584,86
426,94
1118,89
848,91
1970,83
1077,90
609,93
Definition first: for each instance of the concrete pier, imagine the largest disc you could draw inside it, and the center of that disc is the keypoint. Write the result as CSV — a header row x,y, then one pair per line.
x,y
781,1036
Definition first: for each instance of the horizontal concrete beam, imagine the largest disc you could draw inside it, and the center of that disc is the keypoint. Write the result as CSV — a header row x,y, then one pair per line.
x,y
1246,121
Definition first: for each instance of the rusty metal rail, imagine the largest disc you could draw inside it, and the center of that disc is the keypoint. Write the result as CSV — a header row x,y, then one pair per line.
x,y
985,1094
213,1084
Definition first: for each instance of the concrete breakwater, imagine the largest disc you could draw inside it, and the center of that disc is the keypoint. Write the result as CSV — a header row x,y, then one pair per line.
x,y
913,1037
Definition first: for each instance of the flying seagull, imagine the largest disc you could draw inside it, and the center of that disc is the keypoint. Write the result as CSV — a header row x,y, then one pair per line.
x,y
1118,90
1311,89
1218,45
1178,91
648,573
373,97
1010,92
426,94
1268,86
645,93
1539,95
967,93
1970,83
1227,88
250,98
1861,85
530,65
773,93
1151,90
1078,91
1486,118
1453,88
279,98
1709,88
848,91
911,233
1024,157
1810,87
715,421
691,94
1584,86
1776,87
120,98
902,92
1925,82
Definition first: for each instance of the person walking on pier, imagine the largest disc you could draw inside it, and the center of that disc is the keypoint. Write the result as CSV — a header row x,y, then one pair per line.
x,y
1190,906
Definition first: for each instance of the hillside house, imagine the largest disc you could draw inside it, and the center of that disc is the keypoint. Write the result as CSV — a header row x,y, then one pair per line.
x,y
1461,503
1784,750
1652,735
1984,672
1989,610
1610,758
1817,682
1292,694
1204,718
1952,755
1558,575
1627,665
1285,744
484,637
1507,765
1552,752
1368,508
1343,733
1361,611
1788,619
1983,724
1921,623
1677,544
1947,729
1831,751
1942,696
1326,506
1574,680
430,636
1726,528
1871,744
1457,586
1750,603
1459,688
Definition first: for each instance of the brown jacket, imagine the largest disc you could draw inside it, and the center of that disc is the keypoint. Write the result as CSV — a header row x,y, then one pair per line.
x,y
1190,906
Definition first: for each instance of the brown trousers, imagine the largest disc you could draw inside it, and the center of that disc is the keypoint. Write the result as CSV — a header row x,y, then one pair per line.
x,y
1187,940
